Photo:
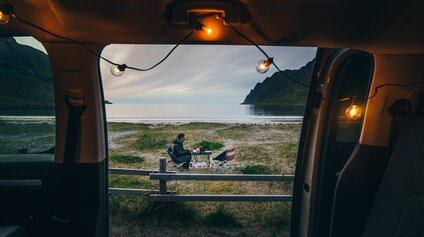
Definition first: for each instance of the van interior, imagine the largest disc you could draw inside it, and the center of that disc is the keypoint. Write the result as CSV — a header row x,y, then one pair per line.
x,y
360,177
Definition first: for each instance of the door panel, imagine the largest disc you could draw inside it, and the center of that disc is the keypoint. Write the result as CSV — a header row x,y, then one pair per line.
x,y
305,185
26,184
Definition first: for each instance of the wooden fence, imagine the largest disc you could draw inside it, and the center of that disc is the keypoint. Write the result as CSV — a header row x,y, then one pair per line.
x,y
162,195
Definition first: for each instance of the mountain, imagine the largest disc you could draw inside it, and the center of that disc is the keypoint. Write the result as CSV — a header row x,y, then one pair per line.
x,y
278,89
25,77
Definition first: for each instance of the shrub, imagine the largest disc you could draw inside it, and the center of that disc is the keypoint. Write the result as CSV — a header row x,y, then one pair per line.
x,y
150,141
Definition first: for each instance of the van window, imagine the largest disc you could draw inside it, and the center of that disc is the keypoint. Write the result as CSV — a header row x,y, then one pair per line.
x,y
27,122
245,123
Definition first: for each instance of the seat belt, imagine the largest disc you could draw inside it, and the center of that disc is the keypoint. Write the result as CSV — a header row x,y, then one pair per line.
x,y
66,185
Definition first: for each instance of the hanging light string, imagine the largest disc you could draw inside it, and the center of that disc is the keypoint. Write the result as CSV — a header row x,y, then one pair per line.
x,y
98,55
304,84
263,52
124,66
395,85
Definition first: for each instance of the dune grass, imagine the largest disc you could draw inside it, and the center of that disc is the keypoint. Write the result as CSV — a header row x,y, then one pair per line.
x,y
256,169
212,145
260,149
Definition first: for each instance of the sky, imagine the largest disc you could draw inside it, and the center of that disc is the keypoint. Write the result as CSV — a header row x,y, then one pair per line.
x,y
193,74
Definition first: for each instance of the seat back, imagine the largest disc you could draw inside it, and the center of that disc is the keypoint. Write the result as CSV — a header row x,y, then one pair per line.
x,y
173,157
230,154
398,209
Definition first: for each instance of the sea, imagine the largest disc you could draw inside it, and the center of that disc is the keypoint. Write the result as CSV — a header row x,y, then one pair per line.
x,y
172,113
151,113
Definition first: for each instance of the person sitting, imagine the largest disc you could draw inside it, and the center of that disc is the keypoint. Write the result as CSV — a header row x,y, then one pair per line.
x,y
178,150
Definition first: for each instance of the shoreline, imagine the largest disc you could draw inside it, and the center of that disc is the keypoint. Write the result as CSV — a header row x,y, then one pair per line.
x,y
162,121
181,122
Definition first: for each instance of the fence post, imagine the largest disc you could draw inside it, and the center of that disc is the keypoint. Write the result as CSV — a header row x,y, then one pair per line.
x,y
162,169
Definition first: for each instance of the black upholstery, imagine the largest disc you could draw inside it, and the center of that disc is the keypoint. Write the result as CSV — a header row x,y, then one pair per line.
x,y
356,189
173,157
12,231
399,206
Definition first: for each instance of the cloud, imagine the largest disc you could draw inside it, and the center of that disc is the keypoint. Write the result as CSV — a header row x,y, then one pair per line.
x,y
193,73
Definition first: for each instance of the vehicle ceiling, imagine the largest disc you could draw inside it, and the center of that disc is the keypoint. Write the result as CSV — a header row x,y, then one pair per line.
x,y
375,26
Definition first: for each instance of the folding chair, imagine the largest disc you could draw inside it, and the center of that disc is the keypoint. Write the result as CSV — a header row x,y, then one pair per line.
x,y
174,160
226,156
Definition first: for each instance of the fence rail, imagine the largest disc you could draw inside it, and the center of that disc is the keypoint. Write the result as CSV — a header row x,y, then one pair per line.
x,y
222,177
131,191
162,195
219,198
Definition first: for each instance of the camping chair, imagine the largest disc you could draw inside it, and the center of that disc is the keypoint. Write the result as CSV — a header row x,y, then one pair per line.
x,y
226,156
175,161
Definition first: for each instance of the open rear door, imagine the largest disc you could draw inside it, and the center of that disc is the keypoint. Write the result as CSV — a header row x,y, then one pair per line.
x,y
307,168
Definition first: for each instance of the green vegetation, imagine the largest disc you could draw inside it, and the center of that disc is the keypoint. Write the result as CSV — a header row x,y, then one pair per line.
x,y
221,217
125,181
256,169
26,82
26,137
272,149
125,159
147,142
212,145
139,208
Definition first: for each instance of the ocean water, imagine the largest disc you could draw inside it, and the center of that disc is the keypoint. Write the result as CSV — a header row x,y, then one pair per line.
x,y
161,113
203,113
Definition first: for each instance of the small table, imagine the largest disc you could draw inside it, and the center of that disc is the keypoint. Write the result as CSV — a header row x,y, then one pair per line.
x,y
202,153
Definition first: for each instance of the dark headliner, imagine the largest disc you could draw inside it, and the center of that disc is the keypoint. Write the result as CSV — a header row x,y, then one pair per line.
x,y
375,26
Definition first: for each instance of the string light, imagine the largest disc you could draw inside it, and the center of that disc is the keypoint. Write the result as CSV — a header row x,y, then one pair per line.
x,y
208,31
354,111
5,10
118,70
263,65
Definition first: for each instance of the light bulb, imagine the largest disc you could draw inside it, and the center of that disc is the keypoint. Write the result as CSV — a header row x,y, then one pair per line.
x,y
117,70
6,10
354,111
263,65
208,31
4,18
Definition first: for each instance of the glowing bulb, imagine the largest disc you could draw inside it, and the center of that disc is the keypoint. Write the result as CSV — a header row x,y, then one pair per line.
x,y
354,111
209,32
117,70
6,10
4,18
263,65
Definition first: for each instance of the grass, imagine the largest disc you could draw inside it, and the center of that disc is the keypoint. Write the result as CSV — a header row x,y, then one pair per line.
x,y
146,142
260,149
28,137
221,217
139,208
256,169
125,181
125,159
212,145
